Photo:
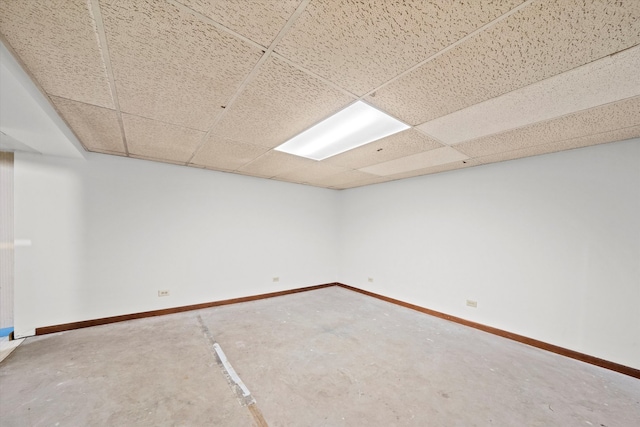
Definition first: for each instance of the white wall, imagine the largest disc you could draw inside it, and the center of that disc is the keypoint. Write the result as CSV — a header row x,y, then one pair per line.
x,y
6,240
107,233
548,246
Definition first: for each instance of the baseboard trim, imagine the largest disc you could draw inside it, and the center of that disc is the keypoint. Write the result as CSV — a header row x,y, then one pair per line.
x,y
113,319
627,370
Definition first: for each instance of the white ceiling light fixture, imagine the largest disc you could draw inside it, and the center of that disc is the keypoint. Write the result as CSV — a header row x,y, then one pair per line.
x,y
356,125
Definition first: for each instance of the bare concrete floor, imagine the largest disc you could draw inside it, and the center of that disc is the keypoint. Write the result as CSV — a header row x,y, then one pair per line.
x,y
329,357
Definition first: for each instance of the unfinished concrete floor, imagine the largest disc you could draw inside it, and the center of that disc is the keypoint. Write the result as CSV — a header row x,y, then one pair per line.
x,y
329,357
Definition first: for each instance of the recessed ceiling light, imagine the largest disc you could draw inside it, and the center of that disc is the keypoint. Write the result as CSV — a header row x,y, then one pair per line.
x,y
356,125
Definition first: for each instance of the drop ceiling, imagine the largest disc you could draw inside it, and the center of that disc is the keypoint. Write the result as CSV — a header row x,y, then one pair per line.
x,y
218,84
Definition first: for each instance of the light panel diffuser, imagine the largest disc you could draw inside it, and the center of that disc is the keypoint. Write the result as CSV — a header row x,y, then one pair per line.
x,y
356,125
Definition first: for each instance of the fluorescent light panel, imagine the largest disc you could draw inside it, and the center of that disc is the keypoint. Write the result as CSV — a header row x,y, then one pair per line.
x,y
356,125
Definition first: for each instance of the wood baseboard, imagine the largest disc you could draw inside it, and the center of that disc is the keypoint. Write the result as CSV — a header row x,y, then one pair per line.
x,y
627,370
113,319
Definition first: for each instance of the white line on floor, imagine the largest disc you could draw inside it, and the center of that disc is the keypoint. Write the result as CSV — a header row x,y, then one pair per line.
x,y
230,371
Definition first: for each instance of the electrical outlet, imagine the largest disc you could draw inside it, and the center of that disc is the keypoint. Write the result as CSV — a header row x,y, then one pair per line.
x,y
276,279
164,293
370,279
472,303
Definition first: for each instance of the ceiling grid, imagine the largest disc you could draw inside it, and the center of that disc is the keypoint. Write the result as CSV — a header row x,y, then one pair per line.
x,y
218,84
102,40
252,74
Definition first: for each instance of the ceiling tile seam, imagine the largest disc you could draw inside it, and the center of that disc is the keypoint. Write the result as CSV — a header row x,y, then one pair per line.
x,y
190,163
559,141
38,86
83,102
279,176
216,24
266,54
229,103
622,50
156,159
99,151
111,153
324,177
433,173
159,121
254,160
398,176
287,25
586,64
55,108
316,76
468,157
416,128
452,46
584,110
355,184
106,58
200,165
391,178
211,168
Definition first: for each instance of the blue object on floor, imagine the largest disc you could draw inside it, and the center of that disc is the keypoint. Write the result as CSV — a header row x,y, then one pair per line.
x,y
4,332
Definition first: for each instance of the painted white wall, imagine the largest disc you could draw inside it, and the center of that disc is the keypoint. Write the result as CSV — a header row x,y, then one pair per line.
x,y
548,246
107,233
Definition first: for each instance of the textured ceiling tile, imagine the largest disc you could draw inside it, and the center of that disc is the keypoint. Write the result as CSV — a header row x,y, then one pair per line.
x,y
277,105
312,173
351,179
398,145
96,127
545,38
58,43
607,80
193,165
418,172
171,66
273,163
258,20
584,141
601,119
359,45
156,159
461,164
218,153
152,139
438,156
113,153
